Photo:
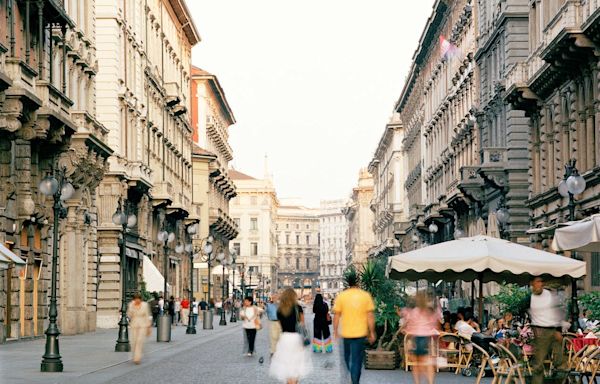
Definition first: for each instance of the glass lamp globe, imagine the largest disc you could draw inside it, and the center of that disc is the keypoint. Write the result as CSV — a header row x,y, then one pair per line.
x,y
67,191
220,256
179,248
208,248
48,186
131,221
502,216
433,228
576,184
459,233
118,218
192,229
189,248
162,236
171,237
563,190
211,239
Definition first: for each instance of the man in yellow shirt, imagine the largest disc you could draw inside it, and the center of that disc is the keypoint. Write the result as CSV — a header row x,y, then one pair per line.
x,y
354,311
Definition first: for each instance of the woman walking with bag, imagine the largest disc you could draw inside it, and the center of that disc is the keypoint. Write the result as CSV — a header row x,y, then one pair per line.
x,y
139,314
250,314
321,335
291,360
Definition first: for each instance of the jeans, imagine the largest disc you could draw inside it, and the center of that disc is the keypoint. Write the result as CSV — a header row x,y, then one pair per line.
x,y
251,335
354,351
194,319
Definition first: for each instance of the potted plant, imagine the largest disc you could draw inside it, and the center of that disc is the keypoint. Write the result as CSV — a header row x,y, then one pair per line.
x,y
387,296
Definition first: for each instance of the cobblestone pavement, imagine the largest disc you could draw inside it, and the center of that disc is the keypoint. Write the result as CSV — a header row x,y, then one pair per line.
x,y
211,356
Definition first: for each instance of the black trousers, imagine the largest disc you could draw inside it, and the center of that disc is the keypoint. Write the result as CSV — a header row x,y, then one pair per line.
x,y
251,335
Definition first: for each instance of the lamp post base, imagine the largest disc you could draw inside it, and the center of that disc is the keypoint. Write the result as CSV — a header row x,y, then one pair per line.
x,y
52,366
122,346
233,318
190,331
223,321
52,361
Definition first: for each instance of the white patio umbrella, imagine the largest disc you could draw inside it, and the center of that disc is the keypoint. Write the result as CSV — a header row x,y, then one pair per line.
x,y
583,236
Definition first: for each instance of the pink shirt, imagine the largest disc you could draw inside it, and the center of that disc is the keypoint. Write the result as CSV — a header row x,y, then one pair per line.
x,y
419,322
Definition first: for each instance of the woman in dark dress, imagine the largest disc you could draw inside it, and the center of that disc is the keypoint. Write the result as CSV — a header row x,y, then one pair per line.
x,y
321,335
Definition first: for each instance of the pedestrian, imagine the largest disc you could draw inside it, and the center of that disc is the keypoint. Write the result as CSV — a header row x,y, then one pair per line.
x,y
194,311
274,326
250,314
185,311
321,334
138,312
420,324
354,312
291,360
203,305
171,309
177,311
547,319
161,305
154,308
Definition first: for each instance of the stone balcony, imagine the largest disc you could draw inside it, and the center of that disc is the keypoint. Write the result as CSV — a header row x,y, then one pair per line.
x,y
162,193
222,223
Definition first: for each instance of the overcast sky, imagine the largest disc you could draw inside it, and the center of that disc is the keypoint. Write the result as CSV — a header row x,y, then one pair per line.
x,y
311,83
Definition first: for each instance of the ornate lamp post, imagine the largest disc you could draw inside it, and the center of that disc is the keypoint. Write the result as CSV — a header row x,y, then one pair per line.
x,y
126,219
242,282
572,184
433,228
60,189
233,318
189,248
166,238
224,263
250,270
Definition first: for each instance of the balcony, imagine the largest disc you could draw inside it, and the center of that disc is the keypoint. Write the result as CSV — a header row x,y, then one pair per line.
x,y
173,96
471,182
162,193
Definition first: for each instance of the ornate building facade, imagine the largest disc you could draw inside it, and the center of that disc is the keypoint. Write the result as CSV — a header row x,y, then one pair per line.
x,y
143,100
213,188
360,237
298,240
557,87
48,121
333,228
254,210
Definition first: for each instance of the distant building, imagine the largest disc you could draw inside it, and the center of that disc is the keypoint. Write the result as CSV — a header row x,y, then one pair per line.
x,y
359,216
298,247
254,211
333,229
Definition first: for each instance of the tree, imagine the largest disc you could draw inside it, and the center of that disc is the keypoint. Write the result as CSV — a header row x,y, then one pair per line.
x,y
513,298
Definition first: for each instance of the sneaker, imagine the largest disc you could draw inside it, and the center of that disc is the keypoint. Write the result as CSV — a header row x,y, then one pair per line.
x,y
249,354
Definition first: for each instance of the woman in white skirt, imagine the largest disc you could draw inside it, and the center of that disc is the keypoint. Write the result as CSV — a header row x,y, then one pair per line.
x,y
291,360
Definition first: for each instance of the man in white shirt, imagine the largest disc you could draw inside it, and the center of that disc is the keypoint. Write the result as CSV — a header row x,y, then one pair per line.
x,y
547,320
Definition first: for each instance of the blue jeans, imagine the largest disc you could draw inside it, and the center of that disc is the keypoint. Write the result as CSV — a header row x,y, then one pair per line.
x,y
354,351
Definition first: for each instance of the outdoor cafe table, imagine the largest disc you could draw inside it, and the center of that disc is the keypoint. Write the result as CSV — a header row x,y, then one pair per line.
x,y
580,342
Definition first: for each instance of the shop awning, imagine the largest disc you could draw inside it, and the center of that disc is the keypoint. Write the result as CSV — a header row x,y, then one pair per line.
x,y
583,235
8,257
152,277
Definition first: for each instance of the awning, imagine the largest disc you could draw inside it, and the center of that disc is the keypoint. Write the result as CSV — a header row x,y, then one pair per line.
x,y
152,277
8,257
583,235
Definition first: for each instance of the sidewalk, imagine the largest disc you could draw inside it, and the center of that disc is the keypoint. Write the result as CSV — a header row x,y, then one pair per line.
x,y
92,352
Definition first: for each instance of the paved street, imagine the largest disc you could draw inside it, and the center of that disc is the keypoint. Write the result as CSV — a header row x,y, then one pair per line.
x,y
209,357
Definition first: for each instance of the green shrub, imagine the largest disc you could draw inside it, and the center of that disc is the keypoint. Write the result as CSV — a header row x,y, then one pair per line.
x,y
591,302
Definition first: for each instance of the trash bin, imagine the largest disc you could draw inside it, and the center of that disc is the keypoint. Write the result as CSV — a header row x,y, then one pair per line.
x,y
163,328
207,319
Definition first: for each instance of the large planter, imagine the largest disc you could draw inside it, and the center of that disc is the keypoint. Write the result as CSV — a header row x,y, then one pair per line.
x,y
381,359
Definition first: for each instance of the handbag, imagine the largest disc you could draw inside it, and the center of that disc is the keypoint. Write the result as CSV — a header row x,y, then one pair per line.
x,y
301,330
257,322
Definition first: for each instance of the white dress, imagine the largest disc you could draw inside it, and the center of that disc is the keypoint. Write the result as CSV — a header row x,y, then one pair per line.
x,y
291,360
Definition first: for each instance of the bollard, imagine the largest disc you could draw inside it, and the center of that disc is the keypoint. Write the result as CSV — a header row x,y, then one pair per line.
x,y
163,328
207,319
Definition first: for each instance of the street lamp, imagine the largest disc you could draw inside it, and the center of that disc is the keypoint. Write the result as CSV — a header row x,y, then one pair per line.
x,y
60,189
433,228
250,270
189,248
166,238
126,219
224,262
233,318
572,184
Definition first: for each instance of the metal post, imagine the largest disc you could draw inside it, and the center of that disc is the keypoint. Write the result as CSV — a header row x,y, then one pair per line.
x,y
166,265
574,301
233,318
191,328
223,321
123,340
52,361
208,294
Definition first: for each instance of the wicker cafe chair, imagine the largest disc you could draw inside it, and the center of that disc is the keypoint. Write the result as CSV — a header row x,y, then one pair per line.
x,y
589,364
577,363
453,355
409,345
486,360
466,353
508,367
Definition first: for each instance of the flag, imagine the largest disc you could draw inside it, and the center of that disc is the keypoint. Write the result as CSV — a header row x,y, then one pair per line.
x,y
447,49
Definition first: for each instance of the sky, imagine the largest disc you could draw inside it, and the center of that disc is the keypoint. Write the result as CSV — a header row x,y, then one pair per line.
x,y
311,83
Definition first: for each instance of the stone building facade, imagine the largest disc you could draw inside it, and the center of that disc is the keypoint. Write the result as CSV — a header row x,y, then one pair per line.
x,y
557,87
213,188
298,240
254,210
388,203
143,98
333,227
48,121
360,237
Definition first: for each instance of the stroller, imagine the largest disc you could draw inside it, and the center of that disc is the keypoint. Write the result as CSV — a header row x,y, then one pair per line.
x,y
481,356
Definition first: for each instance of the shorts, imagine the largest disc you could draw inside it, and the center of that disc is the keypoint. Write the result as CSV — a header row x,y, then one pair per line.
x,y
421,347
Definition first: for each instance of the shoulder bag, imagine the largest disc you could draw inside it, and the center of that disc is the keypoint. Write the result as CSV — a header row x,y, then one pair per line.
x,y
257,322
301,329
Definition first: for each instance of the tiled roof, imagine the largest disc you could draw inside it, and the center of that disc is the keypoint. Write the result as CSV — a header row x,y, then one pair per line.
x,y
197,150
237,175
200,71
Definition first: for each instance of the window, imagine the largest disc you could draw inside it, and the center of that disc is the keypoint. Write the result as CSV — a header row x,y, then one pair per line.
x,y
254,223
254,249
253,200
287,226
297,226
297,239
595,272
297,263
307,226
237,222
307,239
288,262
237,248
307,263
287,238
